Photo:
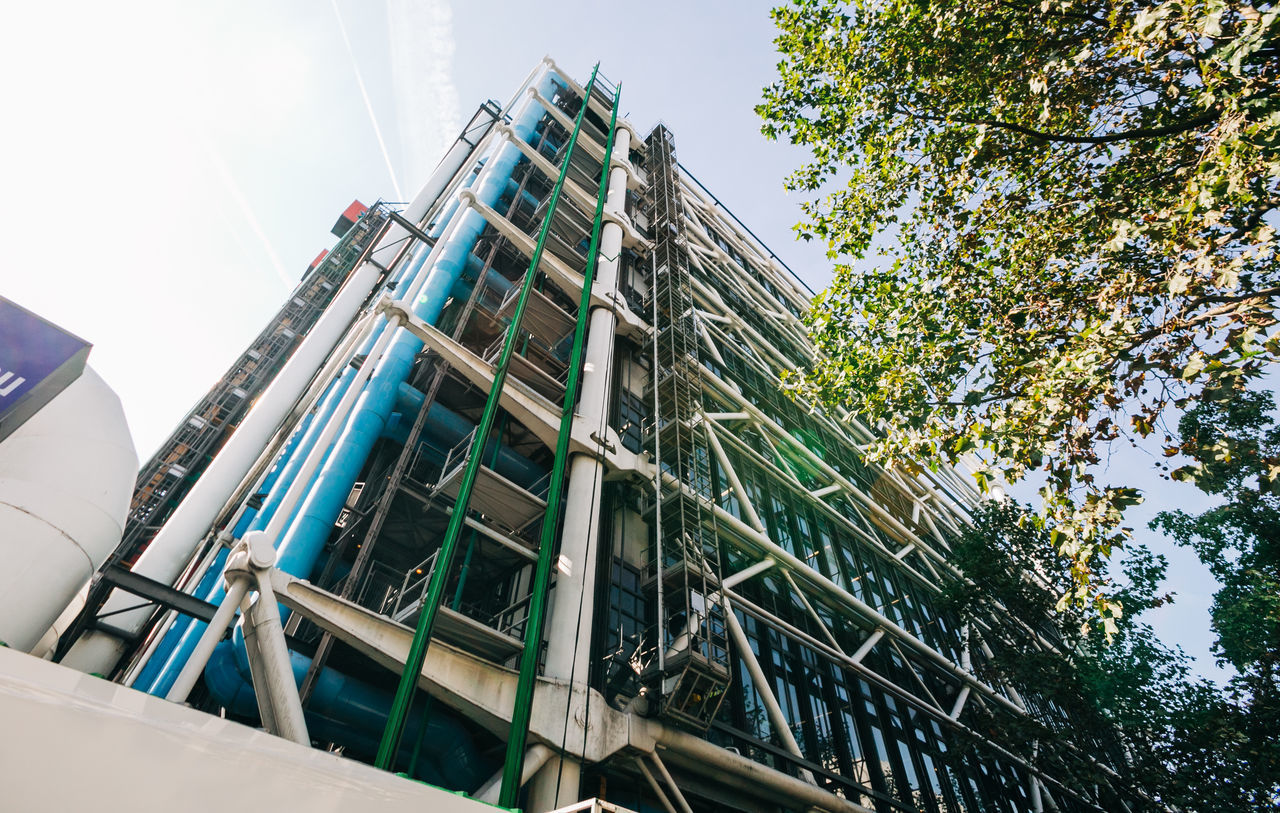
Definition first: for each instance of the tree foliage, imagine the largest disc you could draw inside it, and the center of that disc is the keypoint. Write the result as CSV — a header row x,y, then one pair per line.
x,y
1239,444
1123,713
1082,201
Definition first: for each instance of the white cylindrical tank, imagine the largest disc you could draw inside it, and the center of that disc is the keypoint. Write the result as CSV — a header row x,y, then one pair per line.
x,y
66,478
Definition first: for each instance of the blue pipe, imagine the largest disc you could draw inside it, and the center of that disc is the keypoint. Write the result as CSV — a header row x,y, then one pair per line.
x,y
340,707
443,430
437,226
304,540
163,653
291,463
175,647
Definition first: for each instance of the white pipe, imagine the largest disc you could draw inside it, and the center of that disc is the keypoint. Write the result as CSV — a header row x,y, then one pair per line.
x,y
277,671
226,613
534,758
747,573
671,783
572,609
764,688
653,783
868,645
732,474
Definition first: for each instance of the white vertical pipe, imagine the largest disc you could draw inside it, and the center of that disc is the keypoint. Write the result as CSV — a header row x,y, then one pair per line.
x,y
212,635
573,608
277,671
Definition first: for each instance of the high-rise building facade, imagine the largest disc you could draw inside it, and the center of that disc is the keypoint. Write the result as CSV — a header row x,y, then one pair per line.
x,y
536,449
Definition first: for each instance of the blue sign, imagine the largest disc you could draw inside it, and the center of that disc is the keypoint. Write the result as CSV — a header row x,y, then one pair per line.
x,y
37,361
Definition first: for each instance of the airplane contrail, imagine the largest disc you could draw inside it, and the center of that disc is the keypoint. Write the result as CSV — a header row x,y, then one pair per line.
x,y
421,38
377,131
233,188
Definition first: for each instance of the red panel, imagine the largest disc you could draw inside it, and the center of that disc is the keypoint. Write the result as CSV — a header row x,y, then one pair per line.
x,y
354,211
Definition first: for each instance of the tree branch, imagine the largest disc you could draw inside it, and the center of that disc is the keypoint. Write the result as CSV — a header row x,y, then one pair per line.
x,y
1128,135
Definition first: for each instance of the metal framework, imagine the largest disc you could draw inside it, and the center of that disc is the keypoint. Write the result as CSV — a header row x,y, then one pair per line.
x,y
687,654
741,612
165,479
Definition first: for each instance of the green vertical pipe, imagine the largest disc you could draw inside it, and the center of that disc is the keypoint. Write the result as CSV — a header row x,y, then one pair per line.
x,y
422,735
394,731
466,566
513,767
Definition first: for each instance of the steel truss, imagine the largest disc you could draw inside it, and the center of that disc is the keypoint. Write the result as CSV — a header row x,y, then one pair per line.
x,y
740,310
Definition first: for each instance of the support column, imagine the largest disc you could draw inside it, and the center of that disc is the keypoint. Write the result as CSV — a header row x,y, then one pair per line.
x,y
573,611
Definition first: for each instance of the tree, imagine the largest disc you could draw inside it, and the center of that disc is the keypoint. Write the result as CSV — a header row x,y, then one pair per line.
x,y
1081,197
1239,540
1171,741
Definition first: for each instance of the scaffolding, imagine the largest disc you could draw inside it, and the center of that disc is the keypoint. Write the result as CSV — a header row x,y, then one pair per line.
x,y
687,655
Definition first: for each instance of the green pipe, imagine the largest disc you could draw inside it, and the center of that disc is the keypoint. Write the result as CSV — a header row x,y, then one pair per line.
x,y
466,567
422,735
394,731
471,540
514,764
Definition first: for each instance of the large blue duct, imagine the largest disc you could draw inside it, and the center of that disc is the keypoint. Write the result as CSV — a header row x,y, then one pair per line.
x,y
352,713
307,531
443,429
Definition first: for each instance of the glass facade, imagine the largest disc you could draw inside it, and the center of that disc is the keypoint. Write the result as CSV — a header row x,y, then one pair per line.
x,y
875,684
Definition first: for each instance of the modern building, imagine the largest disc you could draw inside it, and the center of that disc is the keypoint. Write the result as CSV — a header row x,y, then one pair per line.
x,y
527,516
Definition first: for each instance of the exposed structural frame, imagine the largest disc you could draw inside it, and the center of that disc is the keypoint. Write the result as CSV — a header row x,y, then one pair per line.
x,y
435,590
549,393
513,765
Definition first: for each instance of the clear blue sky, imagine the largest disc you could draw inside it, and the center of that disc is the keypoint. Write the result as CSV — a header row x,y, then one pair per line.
x,y
171,169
